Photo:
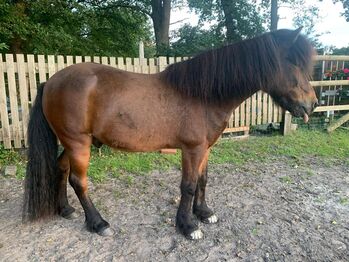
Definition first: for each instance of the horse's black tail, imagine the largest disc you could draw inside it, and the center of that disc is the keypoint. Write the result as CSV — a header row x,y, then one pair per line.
x,y
41,181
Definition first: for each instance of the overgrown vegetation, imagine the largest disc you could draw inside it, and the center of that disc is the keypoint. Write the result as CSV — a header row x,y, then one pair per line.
x,y
297,148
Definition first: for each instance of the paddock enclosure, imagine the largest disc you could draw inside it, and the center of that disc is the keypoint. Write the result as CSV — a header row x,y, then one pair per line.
x,y
21,74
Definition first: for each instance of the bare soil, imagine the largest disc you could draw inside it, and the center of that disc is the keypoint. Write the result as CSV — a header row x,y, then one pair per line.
x,y
268,212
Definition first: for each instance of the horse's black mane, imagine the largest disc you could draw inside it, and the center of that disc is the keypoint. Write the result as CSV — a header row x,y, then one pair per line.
x,y
220,74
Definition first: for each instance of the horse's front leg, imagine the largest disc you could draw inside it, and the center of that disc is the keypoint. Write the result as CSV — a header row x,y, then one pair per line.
x,y
193,161
200,208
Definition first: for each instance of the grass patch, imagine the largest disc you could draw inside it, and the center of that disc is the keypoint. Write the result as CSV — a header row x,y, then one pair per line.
x,y
297,146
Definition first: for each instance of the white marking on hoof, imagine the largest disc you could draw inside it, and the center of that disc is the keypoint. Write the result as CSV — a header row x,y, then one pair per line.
x,y
197,234
212,219
107,232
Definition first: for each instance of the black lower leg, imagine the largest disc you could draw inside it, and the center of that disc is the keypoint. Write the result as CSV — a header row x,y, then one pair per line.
x,y
64,209
200,208
184,220
94,221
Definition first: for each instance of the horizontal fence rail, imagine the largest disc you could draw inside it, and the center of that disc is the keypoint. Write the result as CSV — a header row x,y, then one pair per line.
x,y
21,74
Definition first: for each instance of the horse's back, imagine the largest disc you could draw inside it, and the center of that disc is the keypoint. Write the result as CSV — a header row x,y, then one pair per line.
x,y
124,110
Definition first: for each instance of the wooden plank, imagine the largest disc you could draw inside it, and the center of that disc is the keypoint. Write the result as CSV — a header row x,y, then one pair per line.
x,y
237,117
162,63
248,112
331,108
265,108
253,109
152,66
69,60
112,61
329,83
23,94
332,58
270,109
242,113
51,65
42,68
171,60
11,78
129,66
78,59
236,129
275,112
60,62
96,59
259,107
105,60
6,132
121,63
87,59
338,123
136,65
287,122
32,77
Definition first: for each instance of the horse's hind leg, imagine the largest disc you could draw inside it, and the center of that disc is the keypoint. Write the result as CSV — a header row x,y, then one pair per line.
x,y
79,156
192,164
64,209
200,208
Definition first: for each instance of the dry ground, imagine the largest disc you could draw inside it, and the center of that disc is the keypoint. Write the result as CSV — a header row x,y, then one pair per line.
x,y
267,212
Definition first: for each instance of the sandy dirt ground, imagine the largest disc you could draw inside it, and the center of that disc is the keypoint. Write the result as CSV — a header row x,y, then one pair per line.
x,y
268,212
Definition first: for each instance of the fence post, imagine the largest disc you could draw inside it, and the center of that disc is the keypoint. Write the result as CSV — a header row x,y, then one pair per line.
x,y
286,123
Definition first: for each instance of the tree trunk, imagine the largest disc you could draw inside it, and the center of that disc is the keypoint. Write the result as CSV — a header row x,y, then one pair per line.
x,y
228,9
274,18
161,10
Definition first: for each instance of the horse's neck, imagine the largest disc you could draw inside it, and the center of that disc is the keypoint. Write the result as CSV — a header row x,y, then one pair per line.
x,y
219,114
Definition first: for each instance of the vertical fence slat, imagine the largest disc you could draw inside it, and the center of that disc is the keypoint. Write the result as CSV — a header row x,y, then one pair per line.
x,y
248,112
5,125
121,64
69,60
32,77
259,107
23,94
242,114
51,65
236,116
42,68
11,78
60,62
270,109
96,59
253,109
78,59
129,66
136,65
162,63
112,61
152,67
265,108
105,60
275,112
87,59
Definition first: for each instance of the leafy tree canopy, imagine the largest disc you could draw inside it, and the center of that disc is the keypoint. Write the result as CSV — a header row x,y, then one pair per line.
x,y
70,27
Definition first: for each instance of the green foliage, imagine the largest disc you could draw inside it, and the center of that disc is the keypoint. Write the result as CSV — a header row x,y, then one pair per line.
x,y
346,8
71,27
240,19
192,40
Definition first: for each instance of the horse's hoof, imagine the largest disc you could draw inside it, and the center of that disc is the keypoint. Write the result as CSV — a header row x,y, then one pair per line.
x,y
107,232
197,234
71,216
211,220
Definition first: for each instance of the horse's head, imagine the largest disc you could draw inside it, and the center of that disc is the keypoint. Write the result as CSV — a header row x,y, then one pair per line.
x,y
292,89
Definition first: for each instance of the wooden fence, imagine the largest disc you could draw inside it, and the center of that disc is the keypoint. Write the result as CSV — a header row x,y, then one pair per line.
x,y
20,75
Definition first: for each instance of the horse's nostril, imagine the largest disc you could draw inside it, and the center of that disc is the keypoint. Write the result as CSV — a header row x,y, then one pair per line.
x,y
315,105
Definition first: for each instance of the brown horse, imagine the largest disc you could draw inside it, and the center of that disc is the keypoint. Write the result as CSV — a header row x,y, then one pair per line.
x,y
187,106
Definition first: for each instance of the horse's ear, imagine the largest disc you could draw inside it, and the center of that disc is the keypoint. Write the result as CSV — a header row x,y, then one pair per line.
x,y
286,37
295,34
